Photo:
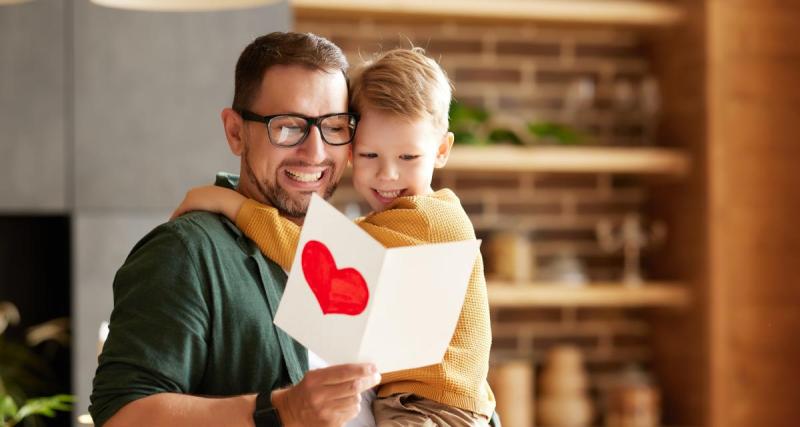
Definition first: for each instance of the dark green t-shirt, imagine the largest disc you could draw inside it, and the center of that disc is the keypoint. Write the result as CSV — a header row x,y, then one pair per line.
x,y
193,310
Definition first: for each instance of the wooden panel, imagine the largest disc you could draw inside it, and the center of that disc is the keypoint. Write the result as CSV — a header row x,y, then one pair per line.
x,y
569,159
754,106
596,12
651,294
680,338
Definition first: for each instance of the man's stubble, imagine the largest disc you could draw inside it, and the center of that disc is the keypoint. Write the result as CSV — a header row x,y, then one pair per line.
x,y
276,196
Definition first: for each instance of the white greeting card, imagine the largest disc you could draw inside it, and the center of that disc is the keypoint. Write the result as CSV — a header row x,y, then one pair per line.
x,y
351,300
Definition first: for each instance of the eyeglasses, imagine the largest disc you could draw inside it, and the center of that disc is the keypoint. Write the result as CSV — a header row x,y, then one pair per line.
x,y
288,130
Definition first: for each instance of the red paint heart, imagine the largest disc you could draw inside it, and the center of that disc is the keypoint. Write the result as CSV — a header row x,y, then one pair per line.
x,y
338,291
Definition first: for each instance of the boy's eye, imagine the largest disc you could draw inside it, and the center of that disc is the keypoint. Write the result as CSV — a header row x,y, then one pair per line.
x,y
409,156
368,155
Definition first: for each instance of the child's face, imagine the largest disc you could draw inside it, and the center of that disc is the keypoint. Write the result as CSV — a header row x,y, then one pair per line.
x,y
394,157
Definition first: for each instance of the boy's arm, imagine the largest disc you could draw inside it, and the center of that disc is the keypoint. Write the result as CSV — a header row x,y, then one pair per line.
x,y
398,227
275,235
211,198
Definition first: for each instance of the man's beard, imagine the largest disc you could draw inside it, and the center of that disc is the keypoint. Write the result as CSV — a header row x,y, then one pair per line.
x,y
280,198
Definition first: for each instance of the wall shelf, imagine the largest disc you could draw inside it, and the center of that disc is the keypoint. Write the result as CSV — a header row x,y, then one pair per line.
x,y
613,12
600,294
634,160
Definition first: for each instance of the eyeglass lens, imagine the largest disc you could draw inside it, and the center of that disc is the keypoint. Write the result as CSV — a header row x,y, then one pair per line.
x,y
290,130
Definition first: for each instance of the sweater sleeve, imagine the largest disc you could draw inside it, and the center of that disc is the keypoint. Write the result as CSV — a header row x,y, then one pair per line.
x,y
275,235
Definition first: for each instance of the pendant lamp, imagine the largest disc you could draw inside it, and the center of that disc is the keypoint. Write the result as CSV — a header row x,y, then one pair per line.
x,y
182,5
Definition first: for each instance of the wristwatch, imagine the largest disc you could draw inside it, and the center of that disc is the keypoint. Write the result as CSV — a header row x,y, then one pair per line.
x,y
265,414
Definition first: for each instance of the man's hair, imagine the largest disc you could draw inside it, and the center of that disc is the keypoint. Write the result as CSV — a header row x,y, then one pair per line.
x,y
279,48
402,82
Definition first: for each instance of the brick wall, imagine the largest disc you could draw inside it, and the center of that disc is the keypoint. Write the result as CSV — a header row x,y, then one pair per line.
x,y
522,73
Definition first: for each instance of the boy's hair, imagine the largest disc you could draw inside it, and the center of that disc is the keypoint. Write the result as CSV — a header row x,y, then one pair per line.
x,y
403,82
279,48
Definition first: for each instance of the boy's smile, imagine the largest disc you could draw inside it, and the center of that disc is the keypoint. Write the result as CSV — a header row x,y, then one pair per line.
x,y
395,157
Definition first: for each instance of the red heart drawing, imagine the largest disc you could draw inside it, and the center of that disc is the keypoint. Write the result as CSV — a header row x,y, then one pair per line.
x,y
338,291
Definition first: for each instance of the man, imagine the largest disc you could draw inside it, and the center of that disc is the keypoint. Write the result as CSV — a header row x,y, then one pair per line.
x,y
194,301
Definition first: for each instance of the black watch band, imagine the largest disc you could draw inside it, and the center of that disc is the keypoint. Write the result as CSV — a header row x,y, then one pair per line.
x,y
265,414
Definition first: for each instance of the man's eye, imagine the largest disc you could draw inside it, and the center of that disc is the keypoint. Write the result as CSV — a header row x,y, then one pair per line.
x,y
409,156
368,155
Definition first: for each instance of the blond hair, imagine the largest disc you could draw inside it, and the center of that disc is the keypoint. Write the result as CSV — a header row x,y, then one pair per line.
x,y
403,82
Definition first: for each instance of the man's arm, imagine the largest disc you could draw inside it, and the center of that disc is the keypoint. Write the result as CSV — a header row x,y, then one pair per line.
x,y
156,354
325,397
180,410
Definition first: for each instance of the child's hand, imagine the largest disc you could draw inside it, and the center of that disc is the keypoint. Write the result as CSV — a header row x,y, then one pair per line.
x,y
213,199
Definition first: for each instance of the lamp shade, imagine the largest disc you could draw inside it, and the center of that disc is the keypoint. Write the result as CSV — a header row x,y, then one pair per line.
x,y
182,5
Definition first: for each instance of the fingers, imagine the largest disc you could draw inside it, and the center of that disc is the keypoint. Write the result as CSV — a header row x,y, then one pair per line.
x,y
352,387
343,373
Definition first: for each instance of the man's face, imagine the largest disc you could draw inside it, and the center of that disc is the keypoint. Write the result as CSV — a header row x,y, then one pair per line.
x,y
285,177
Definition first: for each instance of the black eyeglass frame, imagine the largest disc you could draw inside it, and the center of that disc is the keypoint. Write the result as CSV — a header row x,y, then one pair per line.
x,y
310,121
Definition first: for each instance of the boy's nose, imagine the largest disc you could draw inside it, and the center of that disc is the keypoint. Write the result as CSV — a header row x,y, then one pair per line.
x,y
387,172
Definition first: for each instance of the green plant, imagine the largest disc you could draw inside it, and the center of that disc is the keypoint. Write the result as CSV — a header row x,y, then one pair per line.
x,y
11,414
473,126
24,372
555,133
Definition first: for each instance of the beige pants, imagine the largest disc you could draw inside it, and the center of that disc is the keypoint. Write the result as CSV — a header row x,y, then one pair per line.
x,y
406,409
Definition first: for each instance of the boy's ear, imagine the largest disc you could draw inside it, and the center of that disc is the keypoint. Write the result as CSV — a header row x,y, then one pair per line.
x,y
234,130
443,152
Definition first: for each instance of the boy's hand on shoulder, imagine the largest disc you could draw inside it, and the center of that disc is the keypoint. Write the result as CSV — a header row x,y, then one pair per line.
x,y
210,198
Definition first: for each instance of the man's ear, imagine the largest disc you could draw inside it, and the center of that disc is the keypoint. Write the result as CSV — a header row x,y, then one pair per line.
x,y
443,152
234,130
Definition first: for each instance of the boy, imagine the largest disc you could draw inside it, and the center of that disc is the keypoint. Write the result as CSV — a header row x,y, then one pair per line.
x,y
403,98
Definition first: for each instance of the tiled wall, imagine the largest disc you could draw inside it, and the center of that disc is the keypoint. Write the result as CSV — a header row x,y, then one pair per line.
x,y
521,73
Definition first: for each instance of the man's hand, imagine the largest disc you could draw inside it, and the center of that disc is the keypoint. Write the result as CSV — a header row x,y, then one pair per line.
x,y
327,397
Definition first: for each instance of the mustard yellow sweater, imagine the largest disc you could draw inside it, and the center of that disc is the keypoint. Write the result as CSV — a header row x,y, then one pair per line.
x,y
460,380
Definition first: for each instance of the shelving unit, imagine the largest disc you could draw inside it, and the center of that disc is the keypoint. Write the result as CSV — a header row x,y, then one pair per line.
x,y
606,12
599,294
629,160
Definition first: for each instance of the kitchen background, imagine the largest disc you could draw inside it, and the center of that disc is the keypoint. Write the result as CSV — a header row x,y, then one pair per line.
x,y
593,133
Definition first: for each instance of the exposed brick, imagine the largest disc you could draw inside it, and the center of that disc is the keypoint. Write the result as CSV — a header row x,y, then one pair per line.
x,y
523,315
514,102
452,46
565,181
564,76
472,101
528,48
364,45
608,51
570,234
489,75
606,207
529,207
543,344
486,180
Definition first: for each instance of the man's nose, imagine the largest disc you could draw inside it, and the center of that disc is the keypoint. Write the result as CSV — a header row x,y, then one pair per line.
x,y
312,149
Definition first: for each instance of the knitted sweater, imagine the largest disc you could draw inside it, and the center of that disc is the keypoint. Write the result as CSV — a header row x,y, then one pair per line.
x,y
460,379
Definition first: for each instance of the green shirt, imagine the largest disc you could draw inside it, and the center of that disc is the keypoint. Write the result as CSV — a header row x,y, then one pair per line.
x,y
193,310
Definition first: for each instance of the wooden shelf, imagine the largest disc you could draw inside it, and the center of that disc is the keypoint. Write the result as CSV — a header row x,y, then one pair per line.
x,y
613,12
634,160
601,294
